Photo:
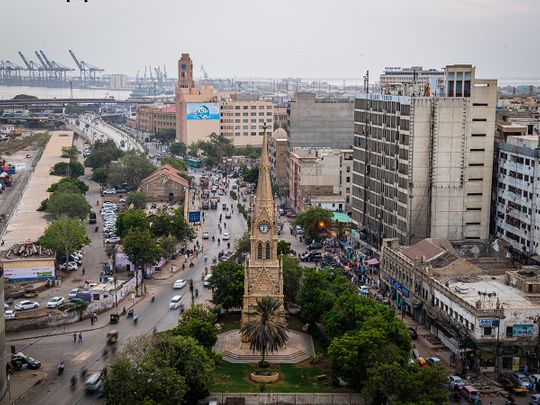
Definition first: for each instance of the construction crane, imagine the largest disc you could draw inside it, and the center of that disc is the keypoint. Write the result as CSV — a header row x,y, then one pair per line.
x,y
32,67
205,75
44,66
10,70
87,71
58,70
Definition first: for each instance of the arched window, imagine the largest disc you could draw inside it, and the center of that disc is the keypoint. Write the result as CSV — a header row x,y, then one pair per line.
x,y
259,251
268,250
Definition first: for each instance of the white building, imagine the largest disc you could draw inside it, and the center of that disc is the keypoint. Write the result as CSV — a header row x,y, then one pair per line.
x,y
423,165
412,81
518,188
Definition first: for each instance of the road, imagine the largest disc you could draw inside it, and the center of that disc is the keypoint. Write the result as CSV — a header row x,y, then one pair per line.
x,y
50,350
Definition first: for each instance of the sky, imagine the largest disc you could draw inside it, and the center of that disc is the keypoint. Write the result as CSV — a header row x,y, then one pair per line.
x,y
278,38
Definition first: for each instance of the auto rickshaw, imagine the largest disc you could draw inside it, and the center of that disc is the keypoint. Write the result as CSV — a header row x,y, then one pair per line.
x,y
112,337
114,318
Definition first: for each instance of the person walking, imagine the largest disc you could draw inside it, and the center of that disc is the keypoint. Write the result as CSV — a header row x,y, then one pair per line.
x,y
95,316
80,337
74,337
83,271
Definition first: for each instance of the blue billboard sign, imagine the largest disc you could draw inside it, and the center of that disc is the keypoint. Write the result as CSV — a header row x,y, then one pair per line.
x,y
489,323
522,330
194,217
202,111
397,285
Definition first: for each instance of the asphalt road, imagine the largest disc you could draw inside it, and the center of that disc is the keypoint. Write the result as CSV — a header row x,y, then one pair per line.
x,y
50,350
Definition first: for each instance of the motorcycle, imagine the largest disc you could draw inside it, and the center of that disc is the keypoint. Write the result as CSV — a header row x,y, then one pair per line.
x,y
130,314
61,368
73,383
196,292
135,319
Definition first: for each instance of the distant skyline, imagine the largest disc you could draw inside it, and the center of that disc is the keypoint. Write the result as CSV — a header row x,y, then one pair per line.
x,y
294,38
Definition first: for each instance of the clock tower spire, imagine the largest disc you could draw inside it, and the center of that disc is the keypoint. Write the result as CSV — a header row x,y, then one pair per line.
x,y
263,275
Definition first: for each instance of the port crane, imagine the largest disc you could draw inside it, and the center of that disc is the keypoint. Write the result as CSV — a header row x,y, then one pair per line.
x,y
87,71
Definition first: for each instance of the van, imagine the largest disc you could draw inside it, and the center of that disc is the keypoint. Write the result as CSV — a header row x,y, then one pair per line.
x,y
206,281
175,302
92,217
469,393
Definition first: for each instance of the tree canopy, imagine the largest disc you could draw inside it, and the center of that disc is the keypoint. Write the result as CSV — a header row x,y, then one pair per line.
x,y
283,247
166,135
103,153
174,162
141,247
292,274
129,170
137,199
252,175
70,152
315,222
198,322
72,204
178,148
227,283
215,148
131,219
59,185
72,169
167,222
65,235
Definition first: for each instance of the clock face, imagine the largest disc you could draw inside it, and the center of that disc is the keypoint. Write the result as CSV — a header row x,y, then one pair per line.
x,y
264,226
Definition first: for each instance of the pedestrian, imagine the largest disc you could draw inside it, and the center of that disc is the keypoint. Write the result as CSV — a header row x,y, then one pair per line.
x,y
80,337
95,316
83,271
74,337
92,320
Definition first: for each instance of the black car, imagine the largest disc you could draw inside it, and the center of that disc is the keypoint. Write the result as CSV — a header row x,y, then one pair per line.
x,y
412,333
314,246
311,257
21,360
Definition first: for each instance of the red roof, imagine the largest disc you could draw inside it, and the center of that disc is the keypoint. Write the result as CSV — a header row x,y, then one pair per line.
x,y
170,172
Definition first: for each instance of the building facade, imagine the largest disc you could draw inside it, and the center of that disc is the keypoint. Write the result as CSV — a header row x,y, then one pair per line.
x,y
165,184
319,172
423,165
489,320
150,118
411,81
243,121
279,158
517,188
319,123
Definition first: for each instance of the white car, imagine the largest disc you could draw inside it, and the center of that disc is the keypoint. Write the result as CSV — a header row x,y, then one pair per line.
x,y
179,284
206,280
112,241
55,302
175,302
22,305
225,236
71,266
109,191
9,314
73,293
364,290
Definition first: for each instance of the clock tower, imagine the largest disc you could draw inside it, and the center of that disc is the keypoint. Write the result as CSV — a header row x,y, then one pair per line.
x,y
264,274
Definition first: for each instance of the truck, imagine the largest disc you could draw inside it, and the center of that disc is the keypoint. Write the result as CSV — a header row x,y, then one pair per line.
x,y
203,181
204,204
213,203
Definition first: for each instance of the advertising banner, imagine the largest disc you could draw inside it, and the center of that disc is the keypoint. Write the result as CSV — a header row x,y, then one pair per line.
x,y
195,217
522,330
202,111
489,323
515,363
29,273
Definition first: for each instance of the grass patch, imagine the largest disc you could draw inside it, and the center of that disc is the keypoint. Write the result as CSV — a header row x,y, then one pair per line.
x,y
35,141
302,377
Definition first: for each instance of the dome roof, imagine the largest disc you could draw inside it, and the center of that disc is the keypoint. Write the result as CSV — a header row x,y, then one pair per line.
x,y
279,133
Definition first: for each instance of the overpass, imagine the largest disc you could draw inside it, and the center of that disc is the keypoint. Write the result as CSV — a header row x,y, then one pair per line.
x,y
61,102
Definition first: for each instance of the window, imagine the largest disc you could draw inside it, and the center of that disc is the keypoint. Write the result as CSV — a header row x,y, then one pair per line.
x,y
259,251
268,250
476,179
509,331
479,119
476,164
487,331
478,134
472,223
478,150
474,193
480,104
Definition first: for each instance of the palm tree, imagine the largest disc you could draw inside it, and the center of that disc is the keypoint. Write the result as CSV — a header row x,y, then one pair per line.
x,y
268,332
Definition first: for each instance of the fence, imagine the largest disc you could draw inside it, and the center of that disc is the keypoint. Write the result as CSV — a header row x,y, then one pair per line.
x,y
287,399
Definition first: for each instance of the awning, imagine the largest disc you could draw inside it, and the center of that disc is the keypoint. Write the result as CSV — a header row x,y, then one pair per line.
x,y
372,262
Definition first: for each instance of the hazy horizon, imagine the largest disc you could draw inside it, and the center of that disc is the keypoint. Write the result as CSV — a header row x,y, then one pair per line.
x,y
278,39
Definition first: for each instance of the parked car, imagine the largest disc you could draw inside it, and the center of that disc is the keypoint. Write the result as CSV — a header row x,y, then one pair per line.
x,y
412,333
522,380
55,302
281,212
363,290
228,215
70,266
20,360
73,293
108,191
314,246
179,284
225,236
9,314
25,304
94,384
455,383
175,302
535,380
112,241
206,280
299,230
205,235
534,399
434,361
469,393
311,257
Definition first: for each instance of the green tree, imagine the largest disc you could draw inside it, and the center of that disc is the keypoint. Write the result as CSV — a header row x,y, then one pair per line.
x,y
227,283
243,245
141,247
162,369
137,199
198,322
65,235
168,245
70,152
268,331
72,204
130,169
79,185
315,222
73,169
166,135
131,219
178,149
292,274
103,154
99,175
174,162
215,148
194,148
165,223
252,175
283,248
315,295
408,385
24,97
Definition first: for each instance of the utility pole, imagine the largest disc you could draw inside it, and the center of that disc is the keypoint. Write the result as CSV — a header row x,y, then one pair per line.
x,y
366,82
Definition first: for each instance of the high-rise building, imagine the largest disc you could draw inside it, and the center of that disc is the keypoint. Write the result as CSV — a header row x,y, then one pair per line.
x,y
150,118
279,157
423,164
315,122
411,81
185,72
243,121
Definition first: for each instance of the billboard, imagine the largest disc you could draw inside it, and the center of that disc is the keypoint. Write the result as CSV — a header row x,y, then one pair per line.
x,y
39,271
522,330
194,217
202,111
489,323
